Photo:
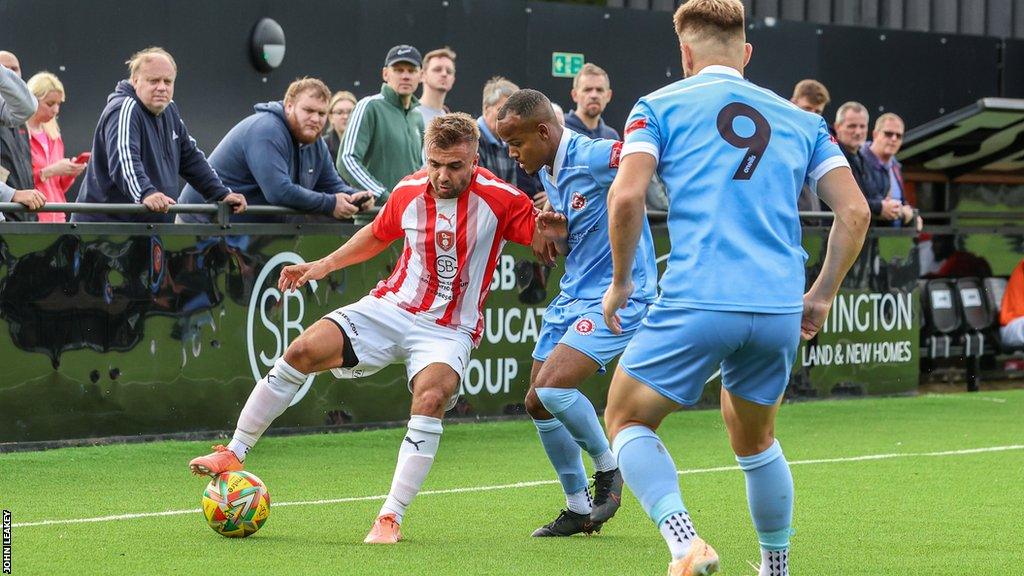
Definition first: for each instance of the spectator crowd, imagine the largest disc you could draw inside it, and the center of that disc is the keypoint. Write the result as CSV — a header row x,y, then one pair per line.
x,y
330,156
327,156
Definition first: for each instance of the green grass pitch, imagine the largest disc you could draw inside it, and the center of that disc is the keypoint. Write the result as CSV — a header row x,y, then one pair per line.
x,y
894,486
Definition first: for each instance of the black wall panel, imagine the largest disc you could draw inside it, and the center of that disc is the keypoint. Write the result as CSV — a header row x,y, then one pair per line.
x,y
1013,69
919,76
344,42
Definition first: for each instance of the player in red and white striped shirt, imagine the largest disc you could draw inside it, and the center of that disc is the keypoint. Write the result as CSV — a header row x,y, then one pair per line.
x,y
455,218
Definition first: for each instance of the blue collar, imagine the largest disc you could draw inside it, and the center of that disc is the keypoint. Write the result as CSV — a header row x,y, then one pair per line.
x,y
485,132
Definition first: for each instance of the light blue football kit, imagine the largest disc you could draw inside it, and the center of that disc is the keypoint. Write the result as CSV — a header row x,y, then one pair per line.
x,y
733,157
577,186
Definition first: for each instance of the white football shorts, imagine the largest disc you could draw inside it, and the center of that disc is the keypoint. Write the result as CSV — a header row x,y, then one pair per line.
x,y
383,334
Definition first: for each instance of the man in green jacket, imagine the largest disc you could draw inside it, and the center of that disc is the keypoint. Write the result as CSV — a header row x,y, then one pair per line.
x,y
384,139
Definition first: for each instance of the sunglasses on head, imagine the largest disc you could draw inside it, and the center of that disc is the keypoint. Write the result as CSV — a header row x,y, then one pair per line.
x,y
893,135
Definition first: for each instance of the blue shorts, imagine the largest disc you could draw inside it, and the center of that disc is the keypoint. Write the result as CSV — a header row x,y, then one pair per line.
x,y
580,325
677,350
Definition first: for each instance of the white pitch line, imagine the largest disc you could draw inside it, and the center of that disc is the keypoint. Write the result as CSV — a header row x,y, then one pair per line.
x,y
515,485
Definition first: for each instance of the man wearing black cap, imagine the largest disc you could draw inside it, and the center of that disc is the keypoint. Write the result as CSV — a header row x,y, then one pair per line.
x,y
384,139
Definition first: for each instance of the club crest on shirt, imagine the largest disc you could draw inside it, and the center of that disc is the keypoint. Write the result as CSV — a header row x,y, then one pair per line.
x,y
445,239
584,327
578,201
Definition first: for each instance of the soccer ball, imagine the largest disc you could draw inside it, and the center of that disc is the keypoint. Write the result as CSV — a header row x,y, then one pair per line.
x,y
236,504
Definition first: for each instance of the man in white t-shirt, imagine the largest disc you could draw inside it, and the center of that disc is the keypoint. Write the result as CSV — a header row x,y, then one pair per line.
x,y
455,218
438,80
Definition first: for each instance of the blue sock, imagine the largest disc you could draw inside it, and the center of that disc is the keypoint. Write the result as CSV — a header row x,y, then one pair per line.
x,y
574,410
649,471
564,454
770,496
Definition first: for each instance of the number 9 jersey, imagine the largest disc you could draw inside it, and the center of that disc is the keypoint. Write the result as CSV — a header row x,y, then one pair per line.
x,y
733,157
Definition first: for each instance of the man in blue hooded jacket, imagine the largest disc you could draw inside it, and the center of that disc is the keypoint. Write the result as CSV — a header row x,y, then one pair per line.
x,y
276,157
141,146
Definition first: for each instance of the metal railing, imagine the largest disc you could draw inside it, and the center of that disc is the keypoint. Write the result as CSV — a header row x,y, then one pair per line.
x,y
220,211
1011,222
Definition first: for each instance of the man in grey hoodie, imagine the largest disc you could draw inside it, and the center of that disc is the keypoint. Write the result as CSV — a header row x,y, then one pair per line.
x,y
276,157
17,104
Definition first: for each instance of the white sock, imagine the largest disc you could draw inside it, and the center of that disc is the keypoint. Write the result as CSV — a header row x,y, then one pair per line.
x,y
579,502
605,462
678,532
239,448
415,458
268,400
774,562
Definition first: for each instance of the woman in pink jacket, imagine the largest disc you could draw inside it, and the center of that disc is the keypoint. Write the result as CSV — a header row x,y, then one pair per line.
x,y
53,173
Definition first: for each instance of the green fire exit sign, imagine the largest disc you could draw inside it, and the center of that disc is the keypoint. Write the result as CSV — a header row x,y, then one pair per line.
x,y
566,64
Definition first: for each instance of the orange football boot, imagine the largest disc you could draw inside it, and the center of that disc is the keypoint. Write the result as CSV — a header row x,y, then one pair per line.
x,y
220,460
699,561
384,531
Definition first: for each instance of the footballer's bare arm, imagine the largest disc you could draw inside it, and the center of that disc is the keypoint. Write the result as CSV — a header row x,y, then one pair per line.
x,y
362,246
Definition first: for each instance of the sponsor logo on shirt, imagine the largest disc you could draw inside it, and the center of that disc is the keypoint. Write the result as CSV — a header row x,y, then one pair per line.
x,y
578,201
584,327
613,162
447,266
637,124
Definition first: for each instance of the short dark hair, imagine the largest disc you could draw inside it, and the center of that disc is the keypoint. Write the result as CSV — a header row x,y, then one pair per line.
x,y
814,91
527,103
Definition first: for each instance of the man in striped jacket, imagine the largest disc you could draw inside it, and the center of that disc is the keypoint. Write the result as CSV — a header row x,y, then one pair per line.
x,y
455,218
384,138
141,146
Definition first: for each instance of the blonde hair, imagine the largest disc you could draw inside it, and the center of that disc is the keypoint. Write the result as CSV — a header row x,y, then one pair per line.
x,y
42,84
814,91
339,96
589,70
448,130
719,20
145,55
306,84
445,52
885,118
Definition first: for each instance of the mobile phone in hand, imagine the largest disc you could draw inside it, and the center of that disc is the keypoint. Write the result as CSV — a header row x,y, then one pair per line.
x,y
82,158
362,201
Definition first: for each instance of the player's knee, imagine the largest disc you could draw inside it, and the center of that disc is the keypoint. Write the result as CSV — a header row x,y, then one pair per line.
x,y
617,420
752,444
432,400
301,355
534,407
